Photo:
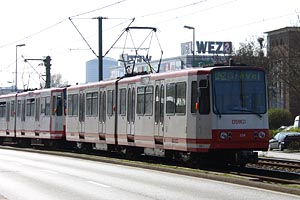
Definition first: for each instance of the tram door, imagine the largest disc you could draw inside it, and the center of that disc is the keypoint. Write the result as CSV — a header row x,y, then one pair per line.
x,y
159,108
102,111
81,116
131,96
58,112
37,114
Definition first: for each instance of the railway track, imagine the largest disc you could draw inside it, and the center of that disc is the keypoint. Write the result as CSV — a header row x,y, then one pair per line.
x,y
273,170
280,164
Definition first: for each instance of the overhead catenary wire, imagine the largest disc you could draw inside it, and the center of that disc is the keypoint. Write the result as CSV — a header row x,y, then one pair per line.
x,y
83,37
94,10
30,73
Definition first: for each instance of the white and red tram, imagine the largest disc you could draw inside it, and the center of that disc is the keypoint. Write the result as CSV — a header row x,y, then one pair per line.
x,y
37,118
217,112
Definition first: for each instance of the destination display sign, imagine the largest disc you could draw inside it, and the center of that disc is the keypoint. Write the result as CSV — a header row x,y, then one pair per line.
x,y
237,75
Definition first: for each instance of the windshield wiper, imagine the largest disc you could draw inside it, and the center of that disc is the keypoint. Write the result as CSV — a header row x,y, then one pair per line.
x,y
247,110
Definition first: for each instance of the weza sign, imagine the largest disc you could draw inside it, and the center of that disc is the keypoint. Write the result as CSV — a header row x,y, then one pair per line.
x,y
214,47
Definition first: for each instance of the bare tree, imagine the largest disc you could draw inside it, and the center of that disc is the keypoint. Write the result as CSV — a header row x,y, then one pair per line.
x,y
57,81
251,53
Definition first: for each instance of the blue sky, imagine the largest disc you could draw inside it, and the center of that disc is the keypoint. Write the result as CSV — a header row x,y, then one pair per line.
x,y
44,27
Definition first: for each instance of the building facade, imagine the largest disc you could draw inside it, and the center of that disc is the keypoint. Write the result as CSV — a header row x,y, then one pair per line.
x,y
284,71
92,69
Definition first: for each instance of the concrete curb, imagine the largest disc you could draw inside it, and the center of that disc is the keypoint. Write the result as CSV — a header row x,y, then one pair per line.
x,y
176,170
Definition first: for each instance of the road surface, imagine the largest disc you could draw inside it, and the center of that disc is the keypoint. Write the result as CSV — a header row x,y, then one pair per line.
x,y
26,175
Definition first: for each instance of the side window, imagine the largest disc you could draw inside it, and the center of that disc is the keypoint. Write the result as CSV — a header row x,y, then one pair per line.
x,y
157,104
133,105
140,101
12,108
122,104
170,98
43,105
37,109
92,104
204,100
59,106
144,100
30,104
8,111
148,100
2,109
53,105
23,111
19,108
110,102
162,93
104,106
194,94
73,105
129,105
70,105
180,98
47,106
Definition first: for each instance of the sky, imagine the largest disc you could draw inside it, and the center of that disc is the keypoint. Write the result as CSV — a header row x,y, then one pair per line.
x,y
57,28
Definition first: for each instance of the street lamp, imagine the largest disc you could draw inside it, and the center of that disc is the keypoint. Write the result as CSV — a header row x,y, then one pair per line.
x,y
16,89
16,78
193,45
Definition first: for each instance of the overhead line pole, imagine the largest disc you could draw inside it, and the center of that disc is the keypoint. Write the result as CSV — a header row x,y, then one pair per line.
x,y
100,57
48,69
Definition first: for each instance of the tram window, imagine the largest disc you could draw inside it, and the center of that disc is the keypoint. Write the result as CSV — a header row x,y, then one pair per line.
x,y
129,105
2,109
180,97
133,106
194,95
59,106
12,108
30,103
157,104
204,100
110,104
148,100
81,108
170,98
37,109
102,106
70,104
140,100
23,111
73,104
92,104
144,100
122,104
8,112
43,105
162,103
47,106
53,105
19,108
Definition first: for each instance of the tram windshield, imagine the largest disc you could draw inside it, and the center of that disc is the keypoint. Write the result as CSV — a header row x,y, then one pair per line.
x,y
239,91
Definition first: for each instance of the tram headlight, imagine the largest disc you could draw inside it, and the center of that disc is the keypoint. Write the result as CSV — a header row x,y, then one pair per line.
x,y
261,135
223,135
